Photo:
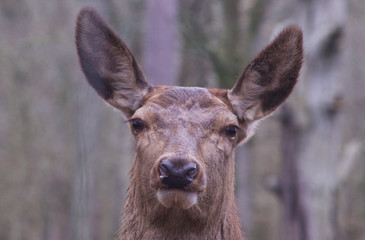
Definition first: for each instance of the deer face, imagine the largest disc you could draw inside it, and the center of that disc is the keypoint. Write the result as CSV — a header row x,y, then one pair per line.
x,y
186,136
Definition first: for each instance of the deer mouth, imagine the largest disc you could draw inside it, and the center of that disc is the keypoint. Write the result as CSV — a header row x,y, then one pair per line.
x,y
183,197
177,198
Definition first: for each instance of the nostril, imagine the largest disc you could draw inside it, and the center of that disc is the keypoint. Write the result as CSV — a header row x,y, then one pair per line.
x,y
190,171
164,169
177,173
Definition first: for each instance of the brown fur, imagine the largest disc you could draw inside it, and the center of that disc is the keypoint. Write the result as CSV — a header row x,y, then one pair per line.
x,y
185,124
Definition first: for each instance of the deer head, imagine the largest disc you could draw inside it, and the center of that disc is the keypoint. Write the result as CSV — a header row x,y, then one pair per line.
x,y
182,177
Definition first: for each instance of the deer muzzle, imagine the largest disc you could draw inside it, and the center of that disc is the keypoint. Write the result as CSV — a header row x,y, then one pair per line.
x,y
177,173
178,181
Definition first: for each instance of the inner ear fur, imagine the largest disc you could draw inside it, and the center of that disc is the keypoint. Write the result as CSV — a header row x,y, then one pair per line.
x,y
108,64
270,77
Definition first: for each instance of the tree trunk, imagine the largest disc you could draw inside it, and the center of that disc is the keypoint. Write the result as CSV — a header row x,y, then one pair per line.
x,y
161,55
312,125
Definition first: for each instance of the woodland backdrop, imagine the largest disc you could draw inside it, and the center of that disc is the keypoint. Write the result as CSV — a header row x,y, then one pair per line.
x,y
65,156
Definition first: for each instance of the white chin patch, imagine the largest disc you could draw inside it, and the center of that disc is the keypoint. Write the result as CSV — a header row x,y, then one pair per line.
x,y
174,198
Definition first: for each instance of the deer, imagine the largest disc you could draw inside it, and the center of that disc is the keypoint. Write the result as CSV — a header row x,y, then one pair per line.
x,y
182,175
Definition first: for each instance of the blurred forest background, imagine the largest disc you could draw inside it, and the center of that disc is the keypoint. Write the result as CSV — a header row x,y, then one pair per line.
x,y
65,156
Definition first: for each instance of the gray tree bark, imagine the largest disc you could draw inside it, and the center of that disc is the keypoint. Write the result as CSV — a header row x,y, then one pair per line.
x,y
312,123
161,58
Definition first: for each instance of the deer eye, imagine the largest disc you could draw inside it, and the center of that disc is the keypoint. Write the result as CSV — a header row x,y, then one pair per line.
x,y
231,131
137,125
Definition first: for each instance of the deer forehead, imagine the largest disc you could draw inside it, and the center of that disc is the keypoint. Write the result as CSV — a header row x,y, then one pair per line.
x,y
189,108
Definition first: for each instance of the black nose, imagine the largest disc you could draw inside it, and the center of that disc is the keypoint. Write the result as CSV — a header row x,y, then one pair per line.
x,y
177,173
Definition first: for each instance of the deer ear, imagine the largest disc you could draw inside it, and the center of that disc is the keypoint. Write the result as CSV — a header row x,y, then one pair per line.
x,y
108,64
269,78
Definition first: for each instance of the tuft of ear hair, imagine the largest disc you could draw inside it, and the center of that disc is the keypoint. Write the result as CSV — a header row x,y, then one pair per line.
x,y
270,77
108,64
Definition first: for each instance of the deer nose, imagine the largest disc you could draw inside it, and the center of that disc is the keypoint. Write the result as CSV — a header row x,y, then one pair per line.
x,y
177,173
